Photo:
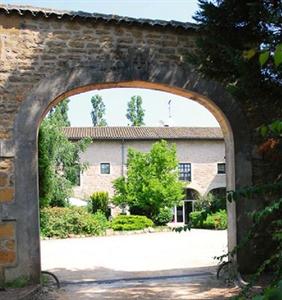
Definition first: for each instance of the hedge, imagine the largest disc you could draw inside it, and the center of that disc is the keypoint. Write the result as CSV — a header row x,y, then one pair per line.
x,y
218,220
62,222
130,222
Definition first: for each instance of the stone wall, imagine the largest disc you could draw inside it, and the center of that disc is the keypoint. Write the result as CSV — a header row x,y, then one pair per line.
x,y
32,48
44,59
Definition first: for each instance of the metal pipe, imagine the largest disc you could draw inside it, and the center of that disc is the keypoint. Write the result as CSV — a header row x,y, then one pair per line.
x,y
122,157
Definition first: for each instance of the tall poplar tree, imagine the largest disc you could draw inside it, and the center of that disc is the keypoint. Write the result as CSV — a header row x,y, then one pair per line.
x,y
98,111
135,112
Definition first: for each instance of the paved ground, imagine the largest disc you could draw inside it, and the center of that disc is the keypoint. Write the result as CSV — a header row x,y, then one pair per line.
x,y
127,256
164,265
200,287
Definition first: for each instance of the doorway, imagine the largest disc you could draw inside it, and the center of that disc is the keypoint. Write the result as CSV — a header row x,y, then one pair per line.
x,y
181,213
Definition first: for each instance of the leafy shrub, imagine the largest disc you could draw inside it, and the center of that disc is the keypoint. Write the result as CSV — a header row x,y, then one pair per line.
x,y
62,222
217,220
218,203
271,293
203,202
197,218
100,201
210,203
200,219
130,222
164,216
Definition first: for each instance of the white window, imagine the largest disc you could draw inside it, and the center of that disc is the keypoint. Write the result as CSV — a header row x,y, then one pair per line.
x,y
105,168
221,168
184,171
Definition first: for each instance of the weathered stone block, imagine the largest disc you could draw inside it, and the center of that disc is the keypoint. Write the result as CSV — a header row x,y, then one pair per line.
x,y
7,257
10,244
6,165
7,195
56,43
7,231
4,134
75,44
7,243
3,179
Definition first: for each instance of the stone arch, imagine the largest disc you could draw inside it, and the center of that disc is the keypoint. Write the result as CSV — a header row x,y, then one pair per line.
x,y
177,79
191,193
219,195
217,190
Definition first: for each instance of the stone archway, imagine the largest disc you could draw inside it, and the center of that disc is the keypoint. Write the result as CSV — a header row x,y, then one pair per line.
x,y
177,79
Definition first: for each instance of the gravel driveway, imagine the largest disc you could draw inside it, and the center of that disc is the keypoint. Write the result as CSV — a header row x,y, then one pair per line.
x,y
131,256
164,266
150,266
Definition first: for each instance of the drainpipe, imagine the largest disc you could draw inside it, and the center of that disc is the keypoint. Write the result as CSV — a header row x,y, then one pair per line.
x,y
122,157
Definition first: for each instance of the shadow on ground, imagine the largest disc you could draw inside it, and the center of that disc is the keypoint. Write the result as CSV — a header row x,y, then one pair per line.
x,y
189,283
104,274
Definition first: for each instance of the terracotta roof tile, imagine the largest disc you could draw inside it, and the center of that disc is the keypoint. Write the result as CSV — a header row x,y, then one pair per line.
x,y
143,133
23,10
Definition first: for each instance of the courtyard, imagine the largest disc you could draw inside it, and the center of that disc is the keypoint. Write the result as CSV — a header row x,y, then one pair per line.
x,y
115,267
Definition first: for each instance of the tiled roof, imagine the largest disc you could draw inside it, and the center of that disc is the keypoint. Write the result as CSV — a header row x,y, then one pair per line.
x,y
143,133
22,10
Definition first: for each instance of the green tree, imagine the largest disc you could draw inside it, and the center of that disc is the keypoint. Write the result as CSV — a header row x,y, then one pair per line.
x,y
231,35
59,113
152,181
135,112
239,45
98,111
58,158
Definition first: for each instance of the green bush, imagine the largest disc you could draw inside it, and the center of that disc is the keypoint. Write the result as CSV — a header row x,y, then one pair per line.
x,y
197,218
200,219
211,203
100,201
271,293
218,203
165,216
130,222
217,220
62,222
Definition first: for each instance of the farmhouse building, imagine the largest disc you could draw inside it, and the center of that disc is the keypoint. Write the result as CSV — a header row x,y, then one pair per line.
x,y
200,152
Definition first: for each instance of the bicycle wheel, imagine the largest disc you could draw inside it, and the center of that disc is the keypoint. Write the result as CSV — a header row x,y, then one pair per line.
x,y
226,272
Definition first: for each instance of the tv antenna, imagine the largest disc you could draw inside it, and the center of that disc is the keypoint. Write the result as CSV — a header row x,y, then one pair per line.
x,y
169,109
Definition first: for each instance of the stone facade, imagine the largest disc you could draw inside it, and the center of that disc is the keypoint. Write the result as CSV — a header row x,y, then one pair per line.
x,y
202,154
31,48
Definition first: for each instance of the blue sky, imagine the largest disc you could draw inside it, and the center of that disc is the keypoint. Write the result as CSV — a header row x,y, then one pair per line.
x,y
180,10
184,112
